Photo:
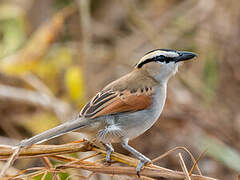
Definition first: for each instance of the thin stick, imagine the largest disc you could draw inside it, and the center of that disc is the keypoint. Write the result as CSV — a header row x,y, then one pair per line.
x,y
150,170
80,160
10,162
47,162
195,164
178,148
90,156
77,175
49,165
184,168
44,175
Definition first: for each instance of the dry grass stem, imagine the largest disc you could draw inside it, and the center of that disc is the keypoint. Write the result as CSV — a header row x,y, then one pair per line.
x,y
44,175
179,148
78,175
195,163
10,161
46,162
184,168
54,151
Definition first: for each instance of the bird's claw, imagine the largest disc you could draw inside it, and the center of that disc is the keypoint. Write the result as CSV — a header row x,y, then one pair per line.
x,y
107,163
108,158
141,164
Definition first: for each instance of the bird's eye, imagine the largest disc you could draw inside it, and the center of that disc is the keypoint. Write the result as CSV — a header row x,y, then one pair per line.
x,y
159,58
162,59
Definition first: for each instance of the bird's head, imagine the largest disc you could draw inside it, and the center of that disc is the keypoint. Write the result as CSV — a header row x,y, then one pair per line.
x,y
163,63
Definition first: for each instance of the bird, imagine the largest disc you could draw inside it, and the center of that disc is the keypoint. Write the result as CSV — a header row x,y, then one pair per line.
x,y
125,108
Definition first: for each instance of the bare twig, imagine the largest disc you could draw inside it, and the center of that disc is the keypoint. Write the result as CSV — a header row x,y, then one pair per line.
x,y
150,171
11,170
44,175
45,150
195,163
179,148
184,168
53,151
49,165
10,162
78,175
47,162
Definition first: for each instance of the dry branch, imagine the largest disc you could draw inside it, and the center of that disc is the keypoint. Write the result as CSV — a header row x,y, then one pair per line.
x,y
185,150
32,97
44,150
53,151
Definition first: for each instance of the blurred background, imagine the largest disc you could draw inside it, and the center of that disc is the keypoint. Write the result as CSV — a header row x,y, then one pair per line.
x,y
56,54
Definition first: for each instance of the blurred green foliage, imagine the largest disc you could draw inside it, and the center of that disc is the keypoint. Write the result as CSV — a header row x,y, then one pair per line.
x,y
210,76
49,176
12,29
220,151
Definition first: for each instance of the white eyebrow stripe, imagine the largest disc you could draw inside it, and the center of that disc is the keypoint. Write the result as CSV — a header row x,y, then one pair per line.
x,y
159,53
165,53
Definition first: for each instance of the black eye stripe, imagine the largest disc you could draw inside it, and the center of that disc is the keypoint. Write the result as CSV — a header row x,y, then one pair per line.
x,y
159,58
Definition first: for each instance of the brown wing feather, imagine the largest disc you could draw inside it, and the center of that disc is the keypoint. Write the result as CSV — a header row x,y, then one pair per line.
x,y
112,102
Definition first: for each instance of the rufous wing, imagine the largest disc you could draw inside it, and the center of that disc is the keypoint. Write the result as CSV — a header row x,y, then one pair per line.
x,y
112,102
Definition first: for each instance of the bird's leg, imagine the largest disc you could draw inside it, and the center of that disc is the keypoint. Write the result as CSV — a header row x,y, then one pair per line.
x,y
109,150
143,159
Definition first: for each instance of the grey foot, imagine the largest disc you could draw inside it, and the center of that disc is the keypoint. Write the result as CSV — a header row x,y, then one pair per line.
x,y
141,157
141,164
109,150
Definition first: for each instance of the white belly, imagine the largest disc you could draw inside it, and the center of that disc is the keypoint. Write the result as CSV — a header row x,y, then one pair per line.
x,y
131,125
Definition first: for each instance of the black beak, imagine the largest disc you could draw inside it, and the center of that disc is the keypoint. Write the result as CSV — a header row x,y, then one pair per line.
x,y
184,56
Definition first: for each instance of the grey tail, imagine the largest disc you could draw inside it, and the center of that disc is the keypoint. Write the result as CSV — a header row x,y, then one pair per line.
x,y
54,132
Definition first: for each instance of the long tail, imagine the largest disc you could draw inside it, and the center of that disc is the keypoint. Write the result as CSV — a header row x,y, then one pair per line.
x,y
54,132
